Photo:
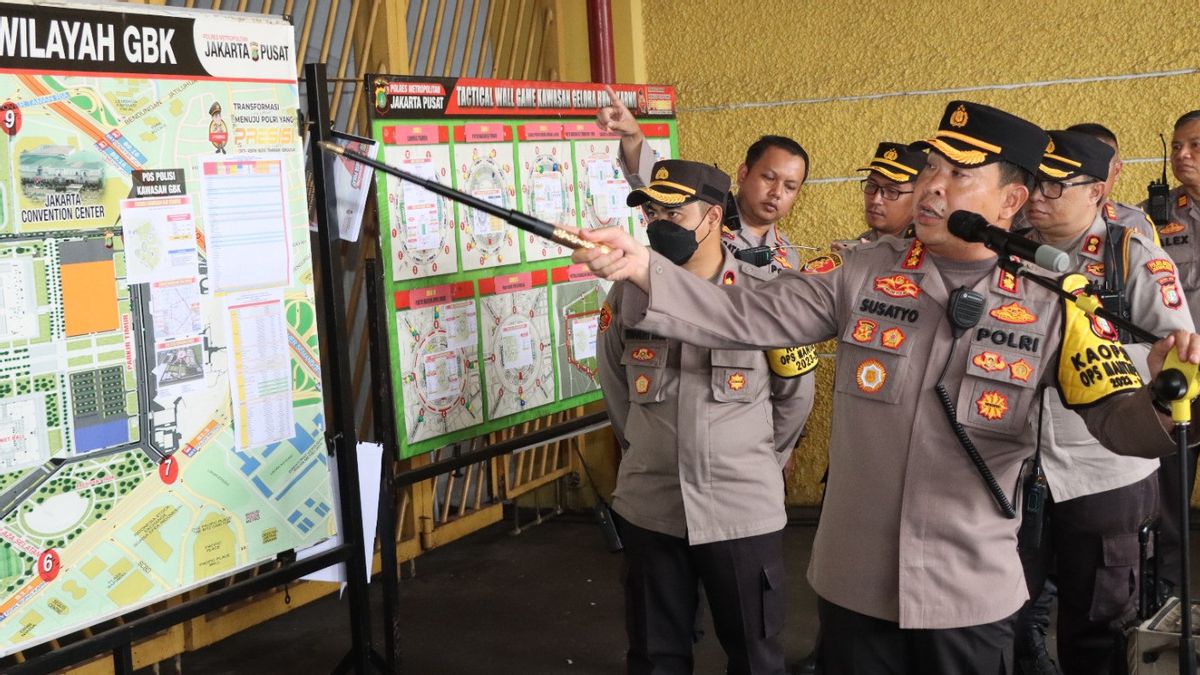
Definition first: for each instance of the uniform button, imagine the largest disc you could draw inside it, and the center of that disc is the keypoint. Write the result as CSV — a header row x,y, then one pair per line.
x,y
658,269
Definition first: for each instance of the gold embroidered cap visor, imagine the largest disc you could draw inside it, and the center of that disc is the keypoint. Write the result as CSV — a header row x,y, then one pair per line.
x,y
1071,154
896,161
675,182
973,134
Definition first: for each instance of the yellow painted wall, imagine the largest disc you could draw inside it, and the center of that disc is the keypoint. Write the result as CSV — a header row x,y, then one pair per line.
x,y
841,76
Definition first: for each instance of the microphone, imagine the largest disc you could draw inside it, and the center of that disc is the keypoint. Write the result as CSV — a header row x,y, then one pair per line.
x,y
973,227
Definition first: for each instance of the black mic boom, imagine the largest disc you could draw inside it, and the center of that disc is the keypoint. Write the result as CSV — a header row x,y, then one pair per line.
x,y
973,227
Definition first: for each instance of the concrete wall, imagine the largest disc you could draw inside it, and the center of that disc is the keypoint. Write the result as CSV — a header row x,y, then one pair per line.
x,y
841,76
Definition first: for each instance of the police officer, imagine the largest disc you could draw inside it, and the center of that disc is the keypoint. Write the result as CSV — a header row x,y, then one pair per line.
x,y
888,190
768,183
699,496
1180,237
1098,500
1123,214
915,560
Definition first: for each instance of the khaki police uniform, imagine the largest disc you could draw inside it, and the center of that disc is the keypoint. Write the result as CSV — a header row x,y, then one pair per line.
x,y
908,533
699,499
1180,238
1098,500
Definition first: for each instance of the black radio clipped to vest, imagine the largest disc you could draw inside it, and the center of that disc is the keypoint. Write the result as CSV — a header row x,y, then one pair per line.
x,y
1158,194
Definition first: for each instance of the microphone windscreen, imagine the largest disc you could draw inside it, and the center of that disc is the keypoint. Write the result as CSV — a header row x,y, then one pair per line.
x,y
1052,259
967,225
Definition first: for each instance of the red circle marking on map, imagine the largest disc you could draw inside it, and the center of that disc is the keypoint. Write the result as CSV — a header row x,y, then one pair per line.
x,y
47,565
168,471
10,118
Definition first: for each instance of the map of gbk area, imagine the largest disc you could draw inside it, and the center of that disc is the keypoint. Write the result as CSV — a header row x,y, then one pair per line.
x,y
130,469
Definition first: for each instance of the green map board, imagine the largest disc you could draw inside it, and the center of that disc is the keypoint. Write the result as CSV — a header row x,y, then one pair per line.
x,y
160,398
490,326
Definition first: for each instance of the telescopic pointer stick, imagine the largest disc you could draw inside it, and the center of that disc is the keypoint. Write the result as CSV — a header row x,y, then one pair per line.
x,y
519,220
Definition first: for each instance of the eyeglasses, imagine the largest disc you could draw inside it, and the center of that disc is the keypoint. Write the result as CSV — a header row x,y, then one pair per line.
x,y
889,193
1053,189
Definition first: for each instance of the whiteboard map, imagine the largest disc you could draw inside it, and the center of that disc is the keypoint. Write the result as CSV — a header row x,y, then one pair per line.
x,y
121,483
527,146
440,366
420,223
547,192
517,351
485,171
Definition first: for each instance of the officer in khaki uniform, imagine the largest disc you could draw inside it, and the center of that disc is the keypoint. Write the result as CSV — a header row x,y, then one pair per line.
x,y
705,434
915,561
888,190
768,183
1124,215
1098,500
1180,238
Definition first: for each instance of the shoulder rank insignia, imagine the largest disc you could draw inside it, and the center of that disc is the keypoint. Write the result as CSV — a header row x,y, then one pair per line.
x,y
915,255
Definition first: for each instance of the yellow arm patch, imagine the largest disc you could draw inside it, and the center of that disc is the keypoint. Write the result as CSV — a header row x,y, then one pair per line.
x,y
1092,364
792,361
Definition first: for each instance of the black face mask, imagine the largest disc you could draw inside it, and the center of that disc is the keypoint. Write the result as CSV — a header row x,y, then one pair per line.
x,y
675,243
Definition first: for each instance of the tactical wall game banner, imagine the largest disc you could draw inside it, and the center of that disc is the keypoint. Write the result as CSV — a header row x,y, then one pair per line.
x,y
490,326
160,393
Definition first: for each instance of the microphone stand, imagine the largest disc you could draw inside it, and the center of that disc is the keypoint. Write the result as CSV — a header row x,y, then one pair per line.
x,y
517,219
1172,384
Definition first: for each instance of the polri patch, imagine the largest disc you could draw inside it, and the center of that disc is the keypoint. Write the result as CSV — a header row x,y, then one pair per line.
x,y
822,264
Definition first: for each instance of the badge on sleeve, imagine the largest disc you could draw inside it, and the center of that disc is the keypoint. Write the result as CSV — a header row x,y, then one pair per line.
x,y
605,317
822,264
1092,364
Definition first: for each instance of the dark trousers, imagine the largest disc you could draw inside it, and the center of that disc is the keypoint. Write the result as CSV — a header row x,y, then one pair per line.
x,y
743,581
1092,544
857,644
1167,547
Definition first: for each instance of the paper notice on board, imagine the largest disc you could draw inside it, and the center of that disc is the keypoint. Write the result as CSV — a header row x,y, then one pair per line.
x,y
422,223
260,378
548,196
175,306
246,222
460,324
516,345
160,239
583,337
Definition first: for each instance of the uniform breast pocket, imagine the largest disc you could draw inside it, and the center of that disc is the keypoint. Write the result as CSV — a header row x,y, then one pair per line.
x,y
995,406
645,364
737,376
872,358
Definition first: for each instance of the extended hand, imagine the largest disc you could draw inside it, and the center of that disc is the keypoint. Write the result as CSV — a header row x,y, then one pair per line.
x,y
616,118
1186,344
624,258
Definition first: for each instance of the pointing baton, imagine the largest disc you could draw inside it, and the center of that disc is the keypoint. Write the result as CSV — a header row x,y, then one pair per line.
x,y
519,220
